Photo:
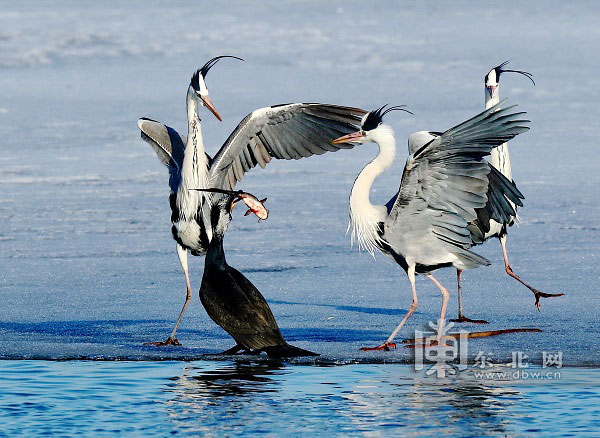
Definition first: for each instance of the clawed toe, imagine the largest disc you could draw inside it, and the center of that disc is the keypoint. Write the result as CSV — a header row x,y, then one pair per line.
x,y
169,341
539,294
387,346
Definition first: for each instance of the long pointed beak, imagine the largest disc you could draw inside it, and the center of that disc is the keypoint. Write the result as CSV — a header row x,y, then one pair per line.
x,y
235,201
350,138
208,104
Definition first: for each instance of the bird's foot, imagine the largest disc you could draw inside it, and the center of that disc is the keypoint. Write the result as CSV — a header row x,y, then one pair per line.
x,y
433,344
387,346
539,294
168,341
233,350
462,318
428,345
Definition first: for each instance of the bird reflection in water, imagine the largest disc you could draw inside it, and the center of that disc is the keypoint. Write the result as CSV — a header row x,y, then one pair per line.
x,y
278,398
225,387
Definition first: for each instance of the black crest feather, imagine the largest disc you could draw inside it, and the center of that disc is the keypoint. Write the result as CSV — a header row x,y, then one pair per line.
x,y
205,68
500,69
375,118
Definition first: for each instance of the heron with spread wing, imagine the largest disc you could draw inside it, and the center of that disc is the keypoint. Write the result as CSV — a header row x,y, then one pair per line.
x,y
287,131
445,180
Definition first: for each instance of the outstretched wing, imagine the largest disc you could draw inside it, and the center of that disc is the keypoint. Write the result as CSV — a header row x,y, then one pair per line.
x,y
446,179
289,131
503,197
169,146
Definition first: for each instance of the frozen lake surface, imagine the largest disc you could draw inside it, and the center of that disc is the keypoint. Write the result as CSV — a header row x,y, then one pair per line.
x,y
88,267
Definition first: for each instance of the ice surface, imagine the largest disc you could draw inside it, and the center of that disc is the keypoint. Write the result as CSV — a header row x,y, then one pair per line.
x,y
87,263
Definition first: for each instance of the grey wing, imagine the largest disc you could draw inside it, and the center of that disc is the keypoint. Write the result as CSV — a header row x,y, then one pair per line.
x,y
446,180
168,144
502,197
289,131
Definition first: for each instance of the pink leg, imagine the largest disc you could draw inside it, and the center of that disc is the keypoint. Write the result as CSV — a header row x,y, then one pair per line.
x,y
171,340
461,316
537,293
445,298
413,306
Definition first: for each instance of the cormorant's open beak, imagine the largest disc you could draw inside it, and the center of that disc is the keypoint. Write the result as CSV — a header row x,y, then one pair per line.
x,y
234,201
355,137
208,104
490,90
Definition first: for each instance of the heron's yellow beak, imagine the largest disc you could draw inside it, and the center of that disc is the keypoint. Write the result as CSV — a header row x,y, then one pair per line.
x,y
355,137
208,104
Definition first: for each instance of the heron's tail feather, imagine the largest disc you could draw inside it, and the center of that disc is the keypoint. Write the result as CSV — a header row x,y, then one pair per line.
x,y
287,350
471,260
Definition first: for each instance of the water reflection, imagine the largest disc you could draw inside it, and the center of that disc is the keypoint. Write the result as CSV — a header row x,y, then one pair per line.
x,y
234,379
374,400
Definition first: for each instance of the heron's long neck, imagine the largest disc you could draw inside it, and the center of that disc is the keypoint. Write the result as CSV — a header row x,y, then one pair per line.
x,y
364,216
499,156
195,164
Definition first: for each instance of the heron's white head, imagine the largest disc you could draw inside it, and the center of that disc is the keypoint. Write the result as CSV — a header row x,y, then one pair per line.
x,y
198,89
371,126
492,78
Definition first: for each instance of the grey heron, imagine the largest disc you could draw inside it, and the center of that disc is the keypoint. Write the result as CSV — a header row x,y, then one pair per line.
x,y
424,227
188,166
230,299
287,131
489,224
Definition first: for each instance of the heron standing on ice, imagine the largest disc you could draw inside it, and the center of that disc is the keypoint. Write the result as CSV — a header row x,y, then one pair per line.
x,y
288,131
491,222
445,179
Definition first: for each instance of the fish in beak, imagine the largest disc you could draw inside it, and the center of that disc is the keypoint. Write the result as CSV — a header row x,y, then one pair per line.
x,y
255,206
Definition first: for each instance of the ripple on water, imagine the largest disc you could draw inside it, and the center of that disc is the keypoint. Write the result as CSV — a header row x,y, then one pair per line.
x,y
276,398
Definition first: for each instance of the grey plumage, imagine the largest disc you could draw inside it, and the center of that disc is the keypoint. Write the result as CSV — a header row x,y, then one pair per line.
x,y
290,131
503,197
169,146
445,181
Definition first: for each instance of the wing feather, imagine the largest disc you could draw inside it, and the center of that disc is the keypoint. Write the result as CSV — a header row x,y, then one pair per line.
x,y
166,142
446,179
169,146
289,132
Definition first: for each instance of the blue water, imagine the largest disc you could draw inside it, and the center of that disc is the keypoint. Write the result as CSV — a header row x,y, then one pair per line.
x,y
44,398
88,268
